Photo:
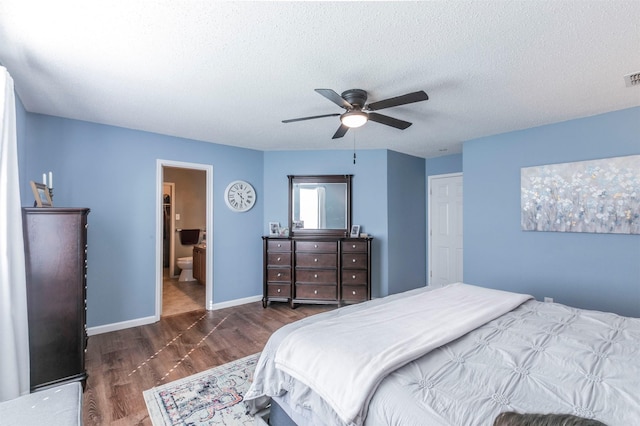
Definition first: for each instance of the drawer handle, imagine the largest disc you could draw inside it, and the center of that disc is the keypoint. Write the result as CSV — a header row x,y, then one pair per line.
x,y
279,259
353,260
315,275
279,274
278,290
354,246
354,292
315,246
315,260
315,291
279,245
353,276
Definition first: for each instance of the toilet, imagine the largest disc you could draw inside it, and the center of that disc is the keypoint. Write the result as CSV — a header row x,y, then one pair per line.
x,y
186,265
188,237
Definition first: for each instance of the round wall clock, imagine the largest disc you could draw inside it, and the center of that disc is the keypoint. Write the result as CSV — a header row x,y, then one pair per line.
x,y
240,196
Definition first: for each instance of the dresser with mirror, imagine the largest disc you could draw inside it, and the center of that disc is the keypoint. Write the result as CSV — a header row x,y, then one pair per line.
x,y
319,262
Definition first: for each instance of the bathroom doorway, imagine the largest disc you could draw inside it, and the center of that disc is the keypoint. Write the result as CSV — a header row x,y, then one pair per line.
x,y
184,208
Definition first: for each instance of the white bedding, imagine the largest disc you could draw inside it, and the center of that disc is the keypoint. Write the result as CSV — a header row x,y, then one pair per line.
x,y
540,357
363,347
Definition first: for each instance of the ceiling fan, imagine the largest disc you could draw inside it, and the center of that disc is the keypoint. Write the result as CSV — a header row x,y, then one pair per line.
x,y
358,112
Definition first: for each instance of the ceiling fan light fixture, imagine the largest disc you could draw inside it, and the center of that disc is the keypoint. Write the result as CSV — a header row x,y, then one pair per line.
x,y
354,118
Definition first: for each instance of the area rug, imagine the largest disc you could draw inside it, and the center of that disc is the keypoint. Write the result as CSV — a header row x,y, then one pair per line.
x,y
213,397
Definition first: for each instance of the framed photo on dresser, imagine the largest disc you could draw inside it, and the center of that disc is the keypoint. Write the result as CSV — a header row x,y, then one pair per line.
x,y
355,231
41,194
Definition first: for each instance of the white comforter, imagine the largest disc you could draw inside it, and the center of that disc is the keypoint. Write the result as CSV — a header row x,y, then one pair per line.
x,y
362,346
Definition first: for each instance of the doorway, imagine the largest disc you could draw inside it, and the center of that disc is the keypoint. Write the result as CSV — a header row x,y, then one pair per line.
x,y
445,229
190,209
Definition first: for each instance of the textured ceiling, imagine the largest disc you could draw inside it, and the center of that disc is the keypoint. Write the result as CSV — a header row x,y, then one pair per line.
x,y
229,72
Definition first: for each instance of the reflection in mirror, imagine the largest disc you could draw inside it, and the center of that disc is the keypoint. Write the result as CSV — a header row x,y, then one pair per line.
x,y
320,205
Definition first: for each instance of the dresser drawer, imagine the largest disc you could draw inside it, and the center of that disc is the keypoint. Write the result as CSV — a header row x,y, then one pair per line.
x,y
354,293
316,260
278,259
279,274
279,245
355,276
354,260
319,276
279,290
317,246
320,292
351,246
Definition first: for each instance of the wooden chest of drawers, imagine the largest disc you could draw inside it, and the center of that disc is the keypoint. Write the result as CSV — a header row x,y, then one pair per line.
x,y
355,272
277,270
316,272
324,270
56,272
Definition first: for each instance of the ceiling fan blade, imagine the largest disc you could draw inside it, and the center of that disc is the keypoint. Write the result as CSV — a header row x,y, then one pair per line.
x,y
340,132
389,121
409,98
335,98
291,120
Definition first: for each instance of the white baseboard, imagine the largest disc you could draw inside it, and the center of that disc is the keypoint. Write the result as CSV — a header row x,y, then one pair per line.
x,y
92,331
231,303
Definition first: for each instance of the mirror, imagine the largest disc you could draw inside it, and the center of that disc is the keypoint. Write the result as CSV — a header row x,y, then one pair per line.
x,y
320,205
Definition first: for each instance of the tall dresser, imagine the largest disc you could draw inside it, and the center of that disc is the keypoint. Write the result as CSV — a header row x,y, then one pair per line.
x,y
318,270
56,266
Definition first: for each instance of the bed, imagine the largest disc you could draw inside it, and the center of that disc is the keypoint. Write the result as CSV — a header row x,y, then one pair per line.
x,y
462,355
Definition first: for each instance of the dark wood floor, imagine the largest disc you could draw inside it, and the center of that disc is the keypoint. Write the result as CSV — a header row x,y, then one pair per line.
x,y
123,364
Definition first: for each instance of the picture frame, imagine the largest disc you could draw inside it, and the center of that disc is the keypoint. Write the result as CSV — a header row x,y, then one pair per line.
x,y
274,229
41,194
355,231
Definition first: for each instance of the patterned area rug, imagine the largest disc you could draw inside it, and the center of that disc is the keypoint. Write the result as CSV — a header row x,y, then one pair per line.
x,y
213,397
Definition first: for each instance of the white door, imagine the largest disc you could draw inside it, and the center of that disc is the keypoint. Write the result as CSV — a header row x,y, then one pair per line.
x,y
445,229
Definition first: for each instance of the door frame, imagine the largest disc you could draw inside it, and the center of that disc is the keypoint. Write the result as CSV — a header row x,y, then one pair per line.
x,y
208,169
172,225
429,224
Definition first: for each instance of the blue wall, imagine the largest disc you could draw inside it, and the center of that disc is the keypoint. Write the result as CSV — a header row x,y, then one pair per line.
x,y
594,271
444,165
113,171
407,200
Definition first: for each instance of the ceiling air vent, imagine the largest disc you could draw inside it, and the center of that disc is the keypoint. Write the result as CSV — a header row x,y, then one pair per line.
x,y
631,80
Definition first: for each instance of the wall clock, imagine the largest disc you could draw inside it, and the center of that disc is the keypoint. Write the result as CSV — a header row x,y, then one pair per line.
x,y
240,196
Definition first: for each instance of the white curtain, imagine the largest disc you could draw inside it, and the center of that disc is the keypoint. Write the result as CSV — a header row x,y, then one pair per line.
x,y
14,329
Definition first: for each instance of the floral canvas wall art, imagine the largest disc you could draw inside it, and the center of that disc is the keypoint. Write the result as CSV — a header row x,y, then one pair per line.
x,y
600,196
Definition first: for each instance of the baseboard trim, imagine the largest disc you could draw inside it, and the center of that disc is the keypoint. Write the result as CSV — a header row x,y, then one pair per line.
x,y
231,303
92,331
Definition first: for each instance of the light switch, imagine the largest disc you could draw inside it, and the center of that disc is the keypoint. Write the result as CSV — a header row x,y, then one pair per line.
x,y
177,216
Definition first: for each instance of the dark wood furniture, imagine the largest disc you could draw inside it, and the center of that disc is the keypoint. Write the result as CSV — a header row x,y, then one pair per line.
x,y
318,270
56,269
200,264
277,271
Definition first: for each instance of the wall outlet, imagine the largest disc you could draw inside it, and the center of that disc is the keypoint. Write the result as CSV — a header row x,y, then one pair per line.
x,y
548,300
177,216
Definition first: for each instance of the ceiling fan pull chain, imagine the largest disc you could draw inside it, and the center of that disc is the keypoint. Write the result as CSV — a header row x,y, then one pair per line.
x,y
354,147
